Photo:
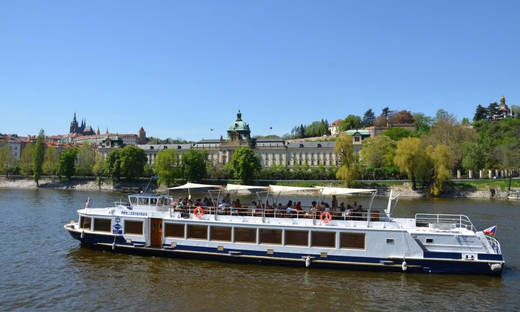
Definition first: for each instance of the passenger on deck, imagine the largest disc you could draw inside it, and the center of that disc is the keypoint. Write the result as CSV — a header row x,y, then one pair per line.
x,y
334,202
298,206
226,199
313,210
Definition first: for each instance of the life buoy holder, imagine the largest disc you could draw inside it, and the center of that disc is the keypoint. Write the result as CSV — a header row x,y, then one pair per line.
x,y
326,217
198,212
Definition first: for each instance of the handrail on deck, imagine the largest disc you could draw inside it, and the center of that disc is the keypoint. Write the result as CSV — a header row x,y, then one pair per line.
x,y
459,221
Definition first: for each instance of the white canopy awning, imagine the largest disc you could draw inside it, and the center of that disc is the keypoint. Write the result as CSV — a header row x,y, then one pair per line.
x,y
251,188
326,190
191,186
293,189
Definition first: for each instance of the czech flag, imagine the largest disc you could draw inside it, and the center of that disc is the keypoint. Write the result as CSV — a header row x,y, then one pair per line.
x,y
491,230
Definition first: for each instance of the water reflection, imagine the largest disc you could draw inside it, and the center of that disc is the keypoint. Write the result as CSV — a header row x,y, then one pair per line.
x,y
44,268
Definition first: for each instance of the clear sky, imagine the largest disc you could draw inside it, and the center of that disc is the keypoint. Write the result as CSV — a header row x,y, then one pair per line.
x,y
181,68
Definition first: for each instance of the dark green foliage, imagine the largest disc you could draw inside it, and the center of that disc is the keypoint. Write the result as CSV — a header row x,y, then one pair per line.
x,y
397,133
194,165
66,164
245,164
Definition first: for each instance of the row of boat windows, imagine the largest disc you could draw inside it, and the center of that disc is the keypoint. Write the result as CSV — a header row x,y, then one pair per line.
x,y
239,234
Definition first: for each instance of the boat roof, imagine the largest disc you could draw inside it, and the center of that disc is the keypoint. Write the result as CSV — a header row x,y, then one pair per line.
x,y
190,185
288,189
327,190
251,188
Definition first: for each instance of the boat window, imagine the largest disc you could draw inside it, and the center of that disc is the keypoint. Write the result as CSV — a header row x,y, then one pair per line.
x,y
297,238
102,225
429,240
85,223
352,240
174,230
220,233
390,241
245,235
133,227
153,201
270,236
133,200
323,239
161,201
143,201
197,231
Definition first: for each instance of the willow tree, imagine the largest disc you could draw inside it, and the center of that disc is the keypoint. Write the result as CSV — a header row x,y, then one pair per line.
x,y
166,166
348,165
410,157
440,156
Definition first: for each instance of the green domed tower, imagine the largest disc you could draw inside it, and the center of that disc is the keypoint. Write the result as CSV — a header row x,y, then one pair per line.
x,y
239,132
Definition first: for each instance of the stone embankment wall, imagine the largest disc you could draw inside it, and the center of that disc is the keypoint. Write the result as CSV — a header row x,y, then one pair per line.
x,y
405,190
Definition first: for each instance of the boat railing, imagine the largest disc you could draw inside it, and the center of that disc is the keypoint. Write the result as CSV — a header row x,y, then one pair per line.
x,y
444,221
494,244
375,215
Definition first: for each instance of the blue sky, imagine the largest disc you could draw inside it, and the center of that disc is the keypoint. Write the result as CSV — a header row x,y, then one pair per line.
x,y
181,68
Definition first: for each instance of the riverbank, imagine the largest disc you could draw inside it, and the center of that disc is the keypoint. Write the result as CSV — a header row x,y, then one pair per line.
x,y
89,185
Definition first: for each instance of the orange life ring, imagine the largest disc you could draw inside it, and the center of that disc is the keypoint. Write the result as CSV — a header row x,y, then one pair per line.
x,y
326,217
198,212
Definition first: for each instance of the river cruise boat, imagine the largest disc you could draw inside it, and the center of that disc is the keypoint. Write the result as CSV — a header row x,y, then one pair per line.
x,y
309,237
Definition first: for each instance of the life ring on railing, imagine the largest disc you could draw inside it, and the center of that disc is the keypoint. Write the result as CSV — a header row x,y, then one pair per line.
x,y
198,212
326,217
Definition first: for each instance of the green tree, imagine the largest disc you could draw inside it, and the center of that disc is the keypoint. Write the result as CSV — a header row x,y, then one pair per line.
x,y
422,123
410,158
38,155
99,163
86,160
246,164
133,161
397,133
51,160
368,118
7,160
351,122
481,113
166,166
474,156
376,151
67,163
440,156
194,163
26,159
347,170
112,165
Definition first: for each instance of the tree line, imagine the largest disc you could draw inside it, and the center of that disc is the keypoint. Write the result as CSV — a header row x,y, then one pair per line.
x,y
428,155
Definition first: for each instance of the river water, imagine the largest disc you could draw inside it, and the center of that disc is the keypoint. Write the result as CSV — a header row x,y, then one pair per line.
x,y
43,268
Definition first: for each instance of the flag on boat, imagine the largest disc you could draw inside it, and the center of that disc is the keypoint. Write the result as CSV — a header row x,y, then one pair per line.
x,y
491,230
87,204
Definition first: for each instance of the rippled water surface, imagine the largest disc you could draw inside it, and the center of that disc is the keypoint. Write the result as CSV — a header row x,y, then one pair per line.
x,y
43,268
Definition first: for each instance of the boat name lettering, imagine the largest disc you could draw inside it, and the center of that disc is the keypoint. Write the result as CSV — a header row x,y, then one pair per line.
x,y
134,213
